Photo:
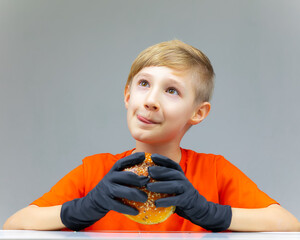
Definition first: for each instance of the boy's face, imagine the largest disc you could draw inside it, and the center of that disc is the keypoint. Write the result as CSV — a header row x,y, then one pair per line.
x,y
161,105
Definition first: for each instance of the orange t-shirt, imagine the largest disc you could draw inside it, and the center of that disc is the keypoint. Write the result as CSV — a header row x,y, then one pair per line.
x,y
212,175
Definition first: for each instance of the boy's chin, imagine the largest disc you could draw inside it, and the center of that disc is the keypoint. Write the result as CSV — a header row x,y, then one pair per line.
x,y
150,141
152,137
145,139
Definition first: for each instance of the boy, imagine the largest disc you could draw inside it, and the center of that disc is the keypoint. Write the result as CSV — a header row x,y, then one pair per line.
x,y
168,91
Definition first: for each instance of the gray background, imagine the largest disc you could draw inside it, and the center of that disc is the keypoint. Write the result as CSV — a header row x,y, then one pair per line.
x,y
63,66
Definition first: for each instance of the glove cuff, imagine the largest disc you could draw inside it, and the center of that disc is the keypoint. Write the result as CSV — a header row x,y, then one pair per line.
x,y
218,217
78,214
209,215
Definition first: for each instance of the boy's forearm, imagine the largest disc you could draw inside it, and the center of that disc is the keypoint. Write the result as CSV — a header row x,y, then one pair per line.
x,y
271,219
35,218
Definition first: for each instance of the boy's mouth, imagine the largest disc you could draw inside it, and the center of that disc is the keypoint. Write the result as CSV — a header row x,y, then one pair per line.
x,y
145,120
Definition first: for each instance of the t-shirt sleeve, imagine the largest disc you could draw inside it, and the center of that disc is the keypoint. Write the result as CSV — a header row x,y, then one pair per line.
x,y
238,190
71,186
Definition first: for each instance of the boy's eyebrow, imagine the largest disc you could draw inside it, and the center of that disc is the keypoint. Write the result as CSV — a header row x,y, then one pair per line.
x,y
143,74
174,81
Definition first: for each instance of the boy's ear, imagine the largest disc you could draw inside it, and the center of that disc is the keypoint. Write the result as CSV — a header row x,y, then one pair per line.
x,y
201,112
126,96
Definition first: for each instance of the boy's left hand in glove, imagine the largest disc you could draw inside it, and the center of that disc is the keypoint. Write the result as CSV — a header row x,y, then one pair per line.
x,y
189,203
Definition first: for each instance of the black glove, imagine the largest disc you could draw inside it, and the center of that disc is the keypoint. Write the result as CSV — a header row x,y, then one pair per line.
x,y
83,212
189,203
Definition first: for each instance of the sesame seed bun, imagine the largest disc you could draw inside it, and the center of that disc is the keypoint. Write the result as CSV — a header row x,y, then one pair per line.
x,y
148,212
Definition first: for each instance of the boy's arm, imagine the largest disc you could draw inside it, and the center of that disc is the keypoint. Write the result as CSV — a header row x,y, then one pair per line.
x,y
211,216
35,218
82,212
273,218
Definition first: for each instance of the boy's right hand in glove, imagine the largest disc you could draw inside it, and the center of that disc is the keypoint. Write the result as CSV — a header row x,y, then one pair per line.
x,y
83,212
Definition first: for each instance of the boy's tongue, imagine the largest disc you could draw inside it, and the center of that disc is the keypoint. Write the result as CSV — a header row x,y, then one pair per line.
x,y
145,120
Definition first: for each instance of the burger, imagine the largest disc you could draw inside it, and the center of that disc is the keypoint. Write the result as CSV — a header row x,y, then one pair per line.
x,y
148,212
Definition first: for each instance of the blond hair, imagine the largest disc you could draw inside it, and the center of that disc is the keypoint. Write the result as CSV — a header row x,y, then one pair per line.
x,y
180,56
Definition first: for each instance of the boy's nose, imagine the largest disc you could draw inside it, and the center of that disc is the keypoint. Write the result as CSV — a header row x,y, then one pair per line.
x,y
151,107
151,102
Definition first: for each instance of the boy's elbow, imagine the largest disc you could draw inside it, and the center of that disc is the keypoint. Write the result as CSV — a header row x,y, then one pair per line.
x,y
21,220
6,226
297,227
11,224
292,226
284,221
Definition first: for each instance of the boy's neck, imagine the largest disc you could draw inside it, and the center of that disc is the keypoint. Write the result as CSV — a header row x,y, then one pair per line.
x,y
168,150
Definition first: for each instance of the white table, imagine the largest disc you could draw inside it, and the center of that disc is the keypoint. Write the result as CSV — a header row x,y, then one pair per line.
x,y
6,234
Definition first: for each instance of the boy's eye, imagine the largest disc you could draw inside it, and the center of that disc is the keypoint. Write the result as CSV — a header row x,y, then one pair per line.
x,y
143,83
172,91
